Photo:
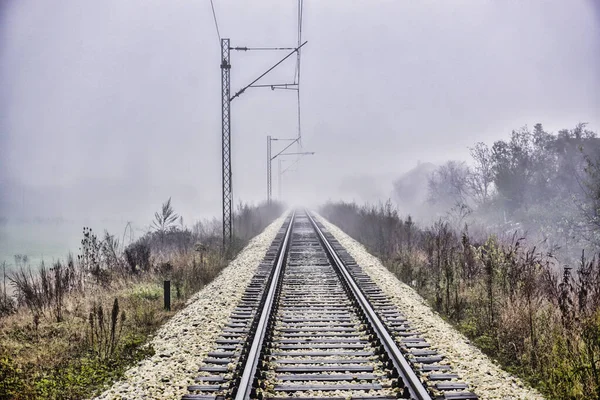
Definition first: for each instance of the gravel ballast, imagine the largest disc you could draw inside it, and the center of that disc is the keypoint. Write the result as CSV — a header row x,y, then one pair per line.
x,y
185,340
486,378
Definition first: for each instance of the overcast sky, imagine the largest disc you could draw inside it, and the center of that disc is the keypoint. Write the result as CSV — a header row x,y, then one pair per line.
x,y
112,106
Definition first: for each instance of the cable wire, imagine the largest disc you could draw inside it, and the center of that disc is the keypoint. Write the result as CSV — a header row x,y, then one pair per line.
x,y
265,73
297,75
215,18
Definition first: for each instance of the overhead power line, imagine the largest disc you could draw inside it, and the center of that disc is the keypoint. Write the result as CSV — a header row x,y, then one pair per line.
x,y
297,77
215,18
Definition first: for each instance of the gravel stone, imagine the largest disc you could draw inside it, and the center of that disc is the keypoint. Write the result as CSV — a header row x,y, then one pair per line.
x,y
486,378
185,340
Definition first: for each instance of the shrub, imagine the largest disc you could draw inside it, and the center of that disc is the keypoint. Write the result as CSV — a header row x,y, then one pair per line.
x,y
506,297
45,292
138,256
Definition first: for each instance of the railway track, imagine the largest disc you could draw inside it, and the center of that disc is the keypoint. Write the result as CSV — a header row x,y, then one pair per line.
x,y
312,325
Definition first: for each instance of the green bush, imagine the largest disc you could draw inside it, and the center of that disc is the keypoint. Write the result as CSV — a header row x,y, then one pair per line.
x,y
12,381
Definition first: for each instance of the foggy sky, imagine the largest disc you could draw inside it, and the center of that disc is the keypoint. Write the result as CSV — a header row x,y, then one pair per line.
x,y
112,106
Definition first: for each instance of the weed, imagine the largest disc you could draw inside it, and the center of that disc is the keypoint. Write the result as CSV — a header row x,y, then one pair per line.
x,y
504,296
76,326
12,382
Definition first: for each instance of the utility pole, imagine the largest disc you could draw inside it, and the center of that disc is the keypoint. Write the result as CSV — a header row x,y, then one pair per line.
x,y
226,100
269,163
226,144
279,181
269,170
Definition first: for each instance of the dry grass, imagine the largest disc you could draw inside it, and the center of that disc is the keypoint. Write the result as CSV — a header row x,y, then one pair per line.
x,y
506,297
77,327
36,344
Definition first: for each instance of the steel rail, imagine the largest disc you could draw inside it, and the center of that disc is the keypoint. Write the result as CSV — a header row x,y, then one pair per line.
x,y
245,386
416,389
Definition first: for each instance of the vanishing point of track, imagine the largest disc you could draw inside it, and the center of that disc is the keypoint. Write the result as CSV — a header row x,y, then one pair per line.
x,y
312,325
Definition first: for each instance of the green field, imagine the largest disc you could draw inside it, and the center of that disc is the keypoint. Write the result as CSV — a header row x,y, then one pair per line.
x,y
48,241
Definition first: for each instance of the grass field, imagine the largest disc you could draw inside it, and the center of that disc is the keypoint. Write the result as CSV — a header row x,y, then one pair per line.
x,y
51,240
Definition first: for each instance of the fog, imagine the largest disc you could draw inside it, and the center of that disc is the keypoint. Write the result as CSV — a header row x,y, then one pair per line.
x,y
110,107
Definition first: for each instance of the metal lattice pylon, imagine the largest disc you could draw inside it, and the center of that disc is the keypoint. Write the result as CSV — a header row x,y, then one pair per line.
x,y
226,141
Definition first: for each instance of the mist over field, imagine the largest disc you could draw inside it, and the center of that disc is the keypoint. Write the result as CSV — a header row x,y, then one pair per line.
x,y
109,108
454,143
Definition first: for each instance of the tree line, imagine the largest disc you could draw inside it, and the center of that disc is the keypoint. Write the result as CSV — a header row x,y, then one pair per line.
x,y
539,181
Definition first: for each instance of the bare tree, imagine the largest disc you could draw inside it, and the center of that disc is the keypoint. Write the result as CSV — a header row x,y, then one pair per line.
x,y
481,178
448,185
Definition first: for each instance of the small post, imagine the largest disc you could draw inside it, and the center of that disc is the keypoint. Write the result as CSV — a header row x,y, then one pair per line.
x,y
167,295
